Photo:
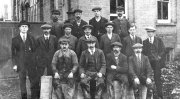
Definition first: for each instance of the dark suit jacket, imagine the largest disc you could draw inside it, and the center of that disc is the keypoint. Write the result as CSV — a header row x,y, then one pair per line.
x,y
57,29
105,42
160,50
82,45
101,28
121,27
128,43
23,52
77,31
100,61
142,72
122,67
45,52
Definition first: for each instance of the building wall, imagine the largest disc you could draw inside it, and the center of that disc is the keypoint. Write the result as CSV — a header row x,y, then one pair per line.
x,y
46,10
178,26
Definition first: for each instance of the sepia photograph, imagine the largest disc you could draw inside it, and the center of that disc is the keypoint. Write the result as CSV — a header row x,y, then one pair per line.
x,y
89,49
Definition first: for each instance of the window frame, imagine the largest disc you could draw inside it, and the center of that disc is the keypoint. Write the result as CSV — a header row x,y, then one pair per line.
x,y
169,13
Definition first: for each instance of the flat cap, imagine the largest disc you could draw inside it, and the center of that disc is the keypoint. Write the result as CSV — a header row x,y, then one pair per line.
x,y
46,26
55,12
137,45
63,40
87,26
116,44
23,22
150,29
109,23
91,39
67,25
78,10
97,8
120,8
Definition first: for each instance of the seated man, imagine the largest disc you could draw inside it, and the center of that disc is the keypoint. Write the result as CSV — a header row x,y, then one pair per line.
x,y
64,65
117,71
92,70
140,72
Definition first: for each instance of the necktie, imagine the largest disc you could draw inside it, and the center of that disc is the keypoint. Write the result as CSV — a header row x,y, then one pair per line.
x,y
92,52
150,40
24,38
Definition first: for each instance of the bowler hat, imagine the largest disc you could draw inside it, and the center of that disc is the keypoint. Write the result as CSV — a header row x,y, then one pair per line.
x,y
116,44
78,10
87,26
150,29
137,45
97,8
67,25
46,26
23,22
63,40
109,23
55,12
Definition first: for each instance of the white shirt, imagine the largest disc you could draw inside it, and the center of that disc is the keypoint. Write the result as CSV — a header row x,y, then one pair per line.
x,y
87,37
23,36
138,55
98,19
151,40
91,51
132,37
46,36
109,35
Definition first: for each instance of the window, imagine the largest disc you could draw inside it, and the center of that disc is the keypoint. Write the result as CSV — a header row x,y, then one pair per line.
x,y
113,5
163,11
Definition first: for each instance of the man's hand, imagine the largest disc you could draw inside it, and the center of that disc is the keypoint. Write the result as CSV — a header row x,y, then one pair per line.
x,y
70,75
99,74
113,67
83,75
148,81
136,81
56,75
15,68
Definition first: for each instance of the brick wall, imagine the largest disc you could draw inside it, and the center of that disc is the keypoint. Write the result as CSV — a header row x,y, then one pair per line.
x,y
46,10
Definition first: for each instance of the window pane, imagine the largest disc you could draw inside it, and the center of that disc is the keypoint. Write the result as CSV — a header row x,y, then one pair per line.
x,y
112,6
159,10
165,10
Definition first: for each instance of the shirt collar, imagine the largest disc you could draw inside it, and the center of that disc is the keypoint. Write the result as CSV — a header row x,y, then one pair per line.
x,y
98,18
109,35
87,37
91,50
152,38
132,36
47,36
23,34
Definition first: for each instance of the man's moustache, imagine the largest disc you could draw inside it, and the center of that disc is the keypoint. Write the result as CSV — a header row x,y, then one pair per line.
x,y
77,17
119,14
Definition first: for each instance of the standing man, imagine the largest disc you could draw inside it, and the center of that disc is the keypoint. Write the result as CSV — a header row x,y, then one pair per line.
x,y
57,27
108,38
81,46
121,24
23,56
64,65
140,71
46,47
117,72
98,22
92,71
78,23
70,17
130,40
154,48
73,40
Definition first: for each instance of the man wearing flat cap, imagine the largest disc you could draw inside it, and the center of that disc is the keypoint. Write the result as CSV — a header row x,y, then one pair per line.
x,y
46,47
68,35
92,71
57,26
98,22
121,24
155,50
117,72
108,38
70,17
64,65
23,58
78,23
81,46
140,72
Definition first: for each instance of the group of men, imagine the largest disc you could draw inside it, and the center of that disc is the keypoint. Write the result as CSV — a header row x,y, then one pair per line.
x,y
97,57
